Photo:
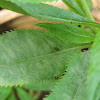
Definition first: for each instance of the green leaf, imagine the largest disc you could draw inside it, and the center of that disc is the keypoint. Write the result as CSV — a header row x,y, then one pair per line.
x,y
11,96
69,32
85,6
29,56
4,92
94,71
12,6
47,85
23,95
48,12
73,84
73,6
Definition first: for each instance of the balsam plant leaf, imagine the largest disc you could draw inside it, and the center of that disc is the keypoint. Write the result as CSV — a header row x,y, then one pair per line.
x,y
48,12
4,92
94,71
73,85
12,4
73,6
23,95
69,33
28,56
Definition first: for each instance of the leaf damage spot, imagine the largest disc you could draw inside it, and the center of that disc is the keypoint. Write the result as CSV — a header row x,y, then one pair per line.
x,y
84,49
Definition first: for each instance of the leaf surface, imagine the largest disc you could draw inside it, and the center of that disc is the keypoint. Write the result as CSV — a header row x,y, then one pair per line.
x,y
73,84
4,92
47,85
29,56
47,12
69,32
94,71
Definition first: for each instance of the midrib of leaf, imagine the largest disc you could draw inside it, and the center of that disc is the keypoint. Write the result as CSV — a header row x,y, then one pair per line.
x,y
80,84
50,54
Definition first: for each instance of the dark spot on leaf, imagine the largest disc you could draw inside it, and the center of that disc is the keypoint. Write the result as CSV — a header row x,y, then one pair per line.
x,y
63,74
84,49
79,25
65,71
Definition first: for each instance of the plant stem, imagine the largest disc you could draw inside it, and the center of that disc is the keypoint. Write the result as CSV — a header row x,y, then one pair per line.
x,y
87,10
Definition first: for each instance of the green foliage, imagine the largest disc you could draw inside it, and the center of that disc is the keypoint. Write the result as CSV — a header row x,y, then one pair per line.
x,y
37,60
4,93
49,13
8,93
12,6
28,53
23,95
85,6
89,3
94,71
69,32
78,7
11,96
73,85
73,6
42,85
